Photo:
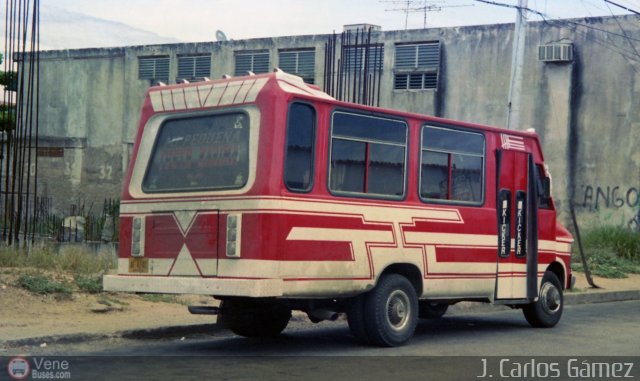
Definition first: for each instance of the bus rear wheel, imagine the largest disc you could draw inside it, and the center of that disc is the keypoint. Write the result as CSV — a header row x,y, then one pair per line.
x,y
391,311
253,319
356,318
432,310
546,312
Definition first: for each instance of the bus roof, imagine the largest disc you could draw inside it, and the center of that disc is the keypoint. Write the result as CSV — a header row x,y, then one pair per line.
x,y
226,91
245,89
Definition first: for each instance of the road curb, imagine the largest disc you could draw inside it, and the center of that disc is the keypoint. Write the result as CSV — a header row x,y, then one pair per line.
x,y
72,338
169,331
210,329
601,297
137,334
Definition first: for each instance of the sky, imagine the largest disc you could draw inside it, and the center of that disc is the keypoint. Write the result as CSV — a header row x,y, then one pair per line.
x,y
99,23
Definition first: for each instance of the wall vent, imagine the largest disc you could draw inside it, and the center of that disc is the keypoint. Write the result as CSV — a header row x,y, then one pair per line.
x,y
560,52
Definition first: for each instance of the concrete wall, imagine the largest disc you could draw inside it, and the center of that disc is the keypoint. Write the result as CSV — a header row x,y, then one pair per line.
x,y
586,111
588,116
81,109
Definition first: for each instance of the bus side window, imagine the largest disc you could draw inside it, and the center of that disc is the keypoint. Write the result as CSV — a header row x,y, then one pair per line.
x,y
451,166
543,185
298,162
368,156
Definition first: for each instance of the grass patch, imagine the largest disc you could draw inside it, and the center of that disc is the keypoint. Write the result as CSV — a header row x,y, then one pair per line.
x,y
620,241
90,284
110,302
71,259
87,267
38,257
612,252
79,261
43,285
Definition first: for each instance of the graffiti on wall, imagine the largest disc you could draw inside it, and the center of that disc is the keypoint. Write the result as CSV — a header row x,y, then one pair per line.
x,y
597,197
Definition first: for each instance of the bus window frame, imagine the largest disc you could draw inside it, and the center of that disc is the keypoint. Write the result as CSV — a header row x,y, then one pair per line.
x,y
544,202
407,144
483,187
148,143
313,147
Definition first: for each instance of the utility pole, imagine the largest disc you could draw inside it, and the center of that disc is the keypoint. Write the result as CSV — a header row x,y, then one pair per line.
x,y
517,63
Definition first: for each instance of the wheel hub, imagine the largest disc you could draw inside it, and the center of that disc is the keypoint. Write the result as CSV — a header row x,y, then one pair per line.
x,y
398,310
550,298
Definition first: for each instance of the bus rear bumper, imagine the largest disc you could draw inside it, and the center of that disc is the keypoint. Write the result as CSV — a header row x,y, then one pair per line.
x,y
255,288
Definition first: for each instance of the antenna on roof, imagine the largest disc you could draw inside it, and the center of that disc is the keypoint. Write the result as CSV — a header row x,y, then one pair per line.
x,y
220,36
423,6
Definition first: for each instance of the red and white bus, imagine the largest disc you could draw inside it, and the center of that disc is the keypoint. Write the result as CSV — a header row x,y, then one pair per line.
x,y
271,196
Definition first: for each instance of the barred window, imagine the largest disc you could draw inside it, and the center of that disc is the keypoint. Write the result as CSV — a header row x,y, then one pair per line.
x,y
194,67
299,62
357,58
257,62
154,68
417,66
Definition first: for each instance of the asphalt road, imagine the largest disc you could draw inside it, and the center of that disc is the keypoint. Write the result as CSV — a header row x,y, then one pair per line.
x,y
604,329
328,351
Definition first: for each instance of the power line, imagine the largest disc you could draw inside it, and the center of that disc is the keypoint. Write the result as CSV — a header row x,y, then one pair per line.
x,y
632,57
622,6
513,7
563,22
624,32
587,26
626,54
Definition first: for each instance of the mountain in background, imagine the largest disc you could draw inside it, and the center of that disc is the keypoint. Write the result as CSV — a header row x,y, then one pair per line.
x,y
62,29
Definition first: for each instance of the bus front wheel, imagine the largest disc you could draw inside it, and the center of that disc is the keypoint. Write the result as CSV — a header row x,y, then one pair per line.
x,y
546,312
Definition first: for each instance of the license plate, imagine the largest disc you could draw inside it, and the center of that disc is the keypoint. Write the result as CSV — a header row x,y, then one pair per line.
x,y
138,265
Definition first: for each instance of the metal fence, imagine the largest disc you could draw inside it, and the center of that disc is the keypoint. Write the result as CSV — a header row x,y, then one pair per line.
x,y
78,223
353,67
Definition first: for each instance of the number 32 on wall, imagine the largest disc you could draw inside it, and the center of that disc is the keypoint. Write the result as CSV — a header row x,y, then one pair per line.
x,y
106,172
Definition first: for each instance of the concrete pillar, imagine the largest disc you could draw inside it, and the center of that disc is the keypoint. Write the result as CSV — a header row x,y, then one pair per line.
x,y
556,133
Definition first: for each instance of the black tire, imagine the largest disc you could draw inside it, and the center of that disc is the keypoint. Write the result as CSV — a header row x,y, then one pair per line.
x,y
356,318
253,319
547,311
391,311
432,310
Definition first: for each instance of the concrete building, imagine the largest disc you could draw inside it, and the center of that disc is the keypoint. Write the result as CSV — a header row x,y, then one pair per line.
x,y
581,93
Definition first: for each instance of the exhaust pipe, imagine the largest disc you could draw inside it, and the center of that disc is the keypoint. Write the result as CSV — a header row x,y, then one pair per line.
x,y
203,310
319,315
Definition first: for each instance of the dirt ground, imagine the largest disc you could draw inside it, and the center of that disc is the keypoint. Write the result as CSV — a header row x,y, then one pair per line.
x,y
26,315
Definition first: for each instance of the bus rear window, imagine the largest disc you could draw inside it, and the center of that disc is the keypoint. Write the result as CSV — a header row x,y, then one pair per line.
x,y
199,153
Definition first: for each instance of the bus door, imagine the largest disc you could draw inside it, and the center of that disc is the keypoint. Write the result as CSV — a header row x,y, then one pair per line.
x,y
516,204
